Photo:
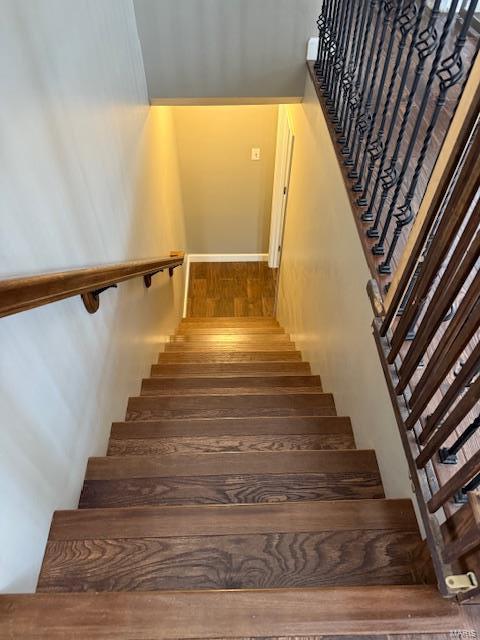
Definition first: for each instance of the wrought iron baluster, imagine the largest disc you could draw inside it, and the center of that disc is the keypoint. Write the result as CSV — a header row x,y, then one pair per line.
x,y
372,117
448,455
322,26
336,25
327,41
426,44
352,67
354,101
364,94
450,73
386,65
341,63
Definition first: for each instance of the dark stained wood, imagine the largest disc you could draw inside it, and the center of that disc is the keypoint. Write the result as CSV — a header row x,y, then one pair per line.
x,y
226,357
249,561
230,614
242,385
206,520
28,292
230,489
211,406
280,426
227,338
226,443
231,288
219,347
352,461
456,482
228,369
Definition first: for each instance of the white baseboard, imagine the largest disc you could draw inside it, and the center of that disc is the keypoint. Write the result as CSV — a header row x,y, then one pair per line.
x,y
216,257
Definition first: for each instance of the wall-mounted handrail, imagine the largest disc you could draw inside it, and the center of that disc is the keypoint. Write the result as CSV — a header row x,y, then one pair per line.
x,y
28,292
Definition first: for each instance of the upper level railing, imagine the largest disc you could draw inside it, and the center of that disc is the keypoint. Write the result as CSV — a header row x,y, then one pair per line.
x,y
28,292
400,84
390,74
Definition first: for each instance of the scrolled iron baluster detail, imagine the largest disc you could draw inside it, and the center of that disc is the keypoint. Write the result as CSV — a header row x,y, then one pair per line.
x,y
450,72
352,67
322,26
327,37
378,148
427,43
360,123
354,101
341,63
372,117
336,26
425,46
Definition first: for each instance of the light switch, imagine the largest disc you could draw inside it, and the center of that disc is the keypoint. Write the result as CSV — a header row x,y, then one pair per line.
x,y
255,153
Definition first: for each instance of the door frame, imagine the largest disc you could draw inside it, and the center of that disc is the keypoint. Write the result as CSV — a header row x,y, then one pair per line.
x,y
281,180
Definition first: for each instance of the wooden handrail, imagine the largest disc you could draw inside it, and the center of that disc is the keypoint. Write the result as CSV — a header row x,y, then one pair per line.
x,y
28,292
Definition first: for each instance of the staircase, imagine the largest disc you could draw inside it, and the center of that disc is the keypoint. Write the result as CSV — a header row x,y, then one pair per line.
x,y
232,502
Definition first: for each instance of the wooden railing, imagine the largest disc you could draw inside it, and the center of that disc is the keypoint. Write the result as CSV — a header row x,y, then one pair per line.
x,y
427,331
28,292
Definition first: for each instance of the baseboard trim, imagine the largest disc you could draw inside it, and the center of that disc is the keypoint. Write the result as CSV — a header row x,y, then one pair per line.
x,y
216,257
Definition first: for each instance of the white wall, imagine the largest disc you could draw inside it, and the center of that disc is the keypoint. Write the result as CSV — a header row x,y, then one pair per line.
x,y
225,48
88,175
322,299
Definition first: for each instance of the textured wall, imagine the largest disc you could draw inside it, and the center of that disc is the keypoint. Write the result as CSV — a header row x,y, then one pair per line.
x,y
322,298
198,48
88,175
227,196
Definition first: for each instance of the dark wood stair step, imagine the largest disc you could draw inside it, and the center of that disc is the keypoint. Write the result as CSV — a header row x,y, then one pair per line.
x,y
199,330
266,613
227,356
218,406
226,369
364,542
233,385
231,478
256,338
231,347
230,434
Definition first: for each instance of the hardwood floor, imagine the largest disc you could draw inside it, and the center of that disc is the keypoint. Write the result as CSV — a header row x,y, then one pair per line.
x,y
231,289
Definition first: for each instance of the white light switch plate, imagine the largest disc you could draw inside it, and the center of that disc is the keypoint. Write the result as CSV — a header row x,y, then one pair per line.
x,y
255,153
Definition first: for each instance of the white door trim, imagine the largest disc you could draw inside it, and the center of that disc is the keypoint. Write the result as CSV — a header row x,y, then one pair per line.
x,y
281,178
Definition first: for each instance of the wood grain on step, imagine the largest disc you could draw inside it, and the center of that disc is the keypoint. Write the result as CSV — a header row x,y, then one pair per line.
x,y
199,520
217,406
217,444
350,461
244,369
229,331
237,384
231,489
232,347
260,614
211,427
248,338
236,561
227,356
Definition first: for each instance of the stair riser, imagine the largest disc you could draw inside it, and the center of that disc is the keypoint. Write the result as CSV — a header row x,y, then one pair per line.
x,y
234,347
238,489
241,369
255,384
230,331
225,338
218,357
306,559
193,445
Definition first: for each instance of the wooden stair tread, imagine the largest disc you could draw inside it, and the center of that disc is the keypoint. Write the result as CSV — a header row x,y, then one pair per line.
x,y
210,464
230,614
249,477
228,356
213,406
231,347
228,369
240,546
255,338
198,330
232,384
230,434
